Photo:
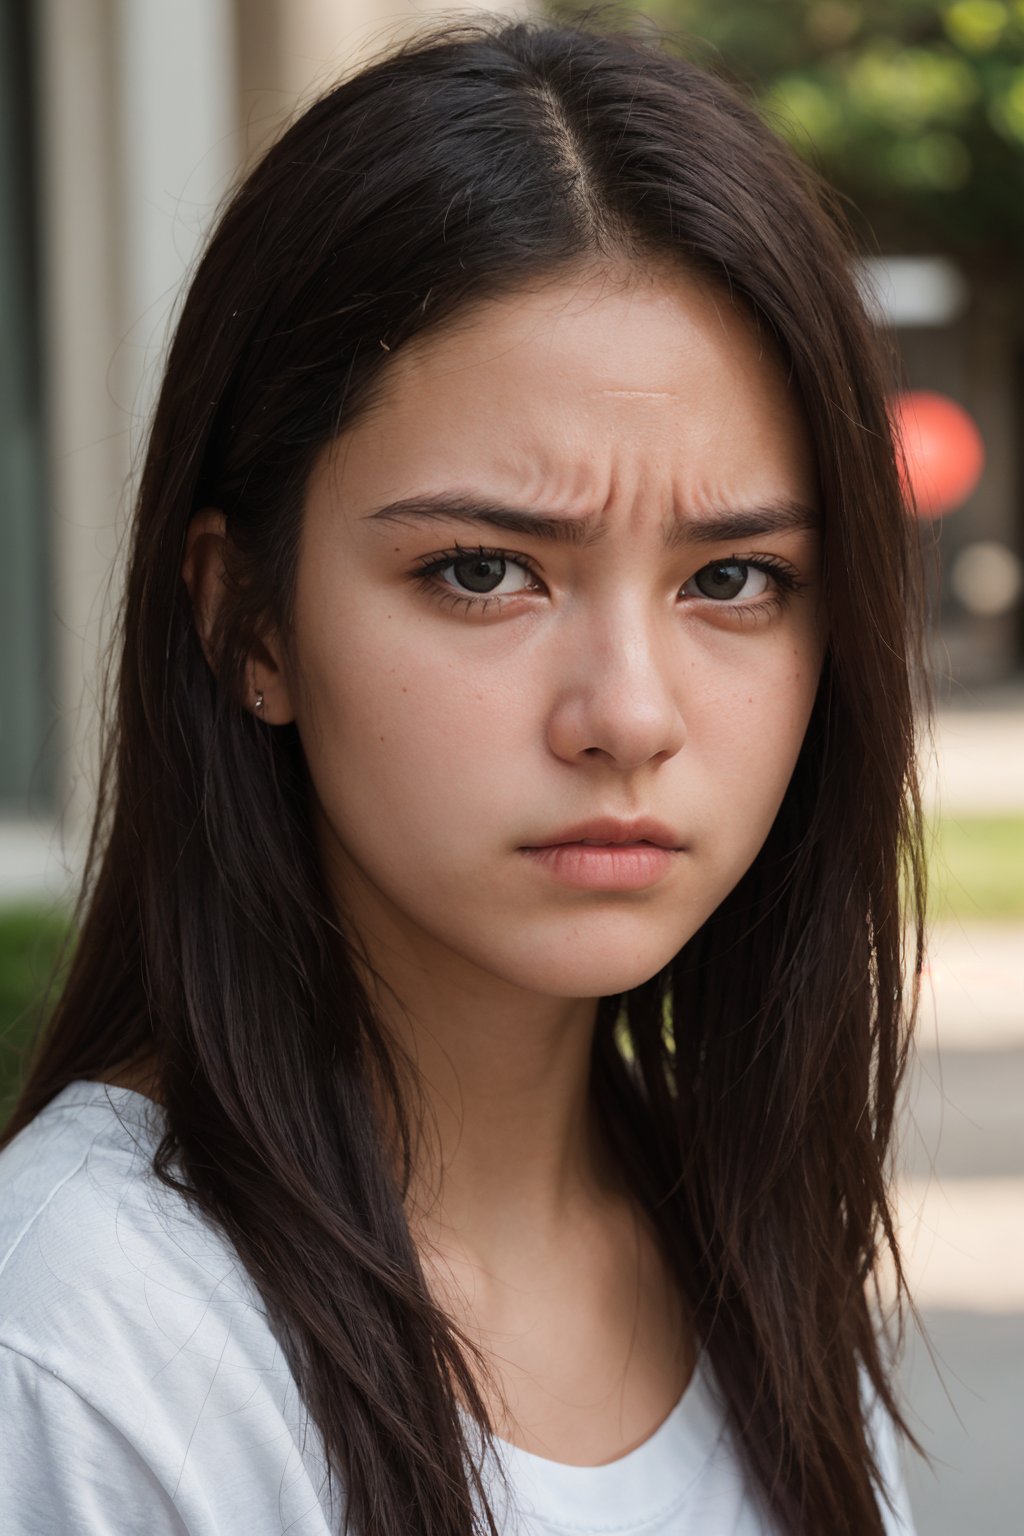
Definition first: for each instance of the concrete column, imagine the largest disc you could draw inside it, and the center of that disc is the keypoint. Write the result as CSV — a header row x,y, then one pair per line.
x,y
177,112
87,448
138,142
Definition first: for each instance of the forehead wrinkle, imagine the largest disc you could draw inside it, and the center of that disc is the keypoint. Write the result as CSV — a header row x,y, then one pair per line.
x,y
638,394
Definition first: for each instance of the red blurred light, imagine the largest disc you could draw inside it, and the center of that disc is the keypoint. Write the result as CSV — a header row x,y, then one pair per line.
x,y
945,455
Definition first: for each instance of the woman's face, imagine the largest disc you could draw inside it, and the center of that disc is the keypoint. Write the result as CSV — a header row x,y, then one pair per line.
x,y
565,571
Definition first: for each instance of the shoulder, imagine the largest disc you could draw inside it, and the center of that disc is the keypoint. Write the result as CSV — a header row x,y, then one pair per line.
x,y
123,1313
99,1259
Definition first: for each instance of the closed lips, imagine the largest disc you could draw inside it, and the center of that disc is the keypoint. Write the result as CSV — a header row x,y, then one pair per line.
x,y
595,842
608,833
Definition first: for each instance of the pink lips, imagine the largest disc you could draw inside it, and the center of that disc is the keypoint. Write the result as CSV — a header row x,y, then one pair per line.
x,y
609,855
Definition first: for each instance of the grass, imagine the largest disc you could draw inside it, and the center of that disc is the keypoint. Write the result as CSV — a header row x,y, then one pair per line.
x,y
976,869
977,875
30,941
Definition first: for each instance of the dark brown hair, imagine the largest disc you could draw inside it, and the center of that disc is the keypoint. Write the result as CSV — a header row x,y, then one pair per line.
x,y
749,1088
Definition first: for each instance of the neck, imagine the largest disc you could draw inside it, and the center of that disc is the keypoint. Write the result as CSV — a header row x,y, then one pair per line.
x,y
507,1127
505,1135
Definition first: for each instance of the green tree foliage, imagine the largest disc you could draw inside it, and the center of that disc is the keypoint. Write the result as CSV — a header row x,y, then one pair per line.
x,y
914,109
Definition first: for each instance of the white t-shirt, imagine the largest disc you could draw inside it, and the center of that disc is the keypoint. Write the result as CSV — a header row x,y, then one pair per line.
x,y
142,1390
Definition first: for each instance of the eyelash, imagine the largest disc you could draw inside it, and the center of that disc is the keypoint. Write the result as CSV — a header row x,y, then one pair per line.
x,y
786,580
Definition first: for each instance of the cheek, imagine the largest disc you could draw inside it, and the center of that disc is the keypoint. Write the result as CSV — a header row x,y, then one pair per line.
x,y
398,735
747,726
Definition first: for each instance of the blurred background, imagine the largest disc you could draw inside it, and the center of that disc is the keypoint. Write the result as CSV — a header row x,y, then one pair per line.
x,y
123,123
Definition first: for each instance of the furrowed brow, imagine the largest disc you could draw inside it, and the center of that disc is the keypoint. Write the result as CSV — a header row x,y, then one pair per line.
x,y
784,516
467,509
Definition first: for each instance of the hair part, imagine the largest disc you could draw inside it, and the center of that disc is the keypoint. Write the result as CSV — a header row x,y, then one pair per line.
x,y
751,1104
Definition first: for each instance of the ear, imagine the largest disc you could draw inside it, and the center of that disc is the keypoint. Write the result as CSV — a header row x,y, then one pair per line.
x,y
202,571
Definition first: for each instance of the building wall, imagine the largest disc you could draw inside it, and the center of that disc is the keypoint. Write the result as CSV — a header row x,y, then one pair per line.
x,y
974,360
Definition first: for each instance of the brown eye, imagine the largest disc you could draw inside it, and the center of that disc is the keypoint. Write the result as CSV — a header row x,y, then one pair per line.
x,y
479,573
476,579
726,579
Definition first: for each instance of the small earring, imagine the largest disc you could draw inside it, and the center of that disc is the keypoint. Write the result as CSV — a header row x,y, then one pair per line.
x,y
259,698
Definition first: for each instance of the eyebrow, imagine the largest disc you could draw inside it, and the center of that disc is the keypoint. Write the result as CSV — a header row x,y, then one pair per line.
x,y
782,516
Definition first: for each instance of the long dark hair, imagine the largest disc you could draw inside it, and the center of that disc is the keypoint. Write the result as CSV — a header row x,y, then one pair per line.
x,y
749,1088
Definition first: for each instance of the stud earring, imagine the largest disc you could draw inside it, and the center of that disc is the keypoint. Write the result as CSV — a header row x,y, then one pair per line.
x,y
259,698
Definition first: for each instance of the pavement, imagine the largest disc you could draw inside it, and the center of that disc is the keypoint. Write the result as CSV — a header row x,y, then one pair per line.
x,y
961,1193
961,1204
975,765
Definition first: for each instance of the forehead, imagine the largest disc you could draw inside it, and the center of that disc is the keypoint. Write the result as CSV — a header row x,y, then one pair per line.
x,y
586,390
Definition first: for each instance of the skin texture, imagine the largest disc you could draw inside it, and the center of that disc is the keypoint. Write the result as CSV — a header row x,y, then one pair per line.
x,y
442,739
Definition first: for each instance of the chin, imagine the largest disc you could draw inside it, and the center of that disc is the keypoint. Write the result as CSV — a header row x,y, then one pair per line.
x,y
590,954
593,971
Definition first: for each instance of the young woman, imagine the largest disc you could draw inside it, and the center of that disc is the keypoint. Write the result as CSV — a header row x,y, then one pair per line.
x,y
468,1108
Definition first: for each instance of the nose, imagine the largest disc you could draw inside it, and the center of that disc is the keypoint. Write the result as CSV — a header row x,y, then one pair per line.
x,y
618,690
